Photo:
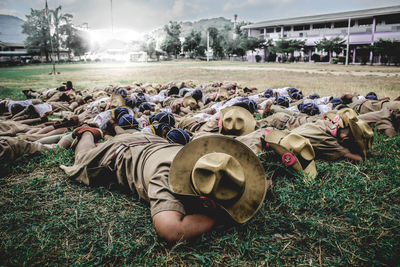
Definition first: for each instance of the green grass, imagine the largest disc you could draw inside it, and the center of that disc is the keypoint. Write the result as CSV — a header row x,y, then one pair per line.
x,y
350,215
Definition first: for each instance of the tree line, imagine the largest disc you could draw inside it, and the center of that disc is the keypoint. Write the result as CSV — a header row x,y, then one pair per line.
x,y
230,42
41,42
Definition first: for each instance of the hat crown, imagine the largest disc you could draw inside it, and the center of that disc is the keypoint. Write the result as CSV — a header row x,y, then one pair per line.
x,y
233,121
218,175
298,145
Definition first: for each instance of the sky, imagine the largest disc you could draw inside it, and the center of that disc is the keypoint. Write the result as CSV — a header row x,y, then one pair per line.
x,y
146,15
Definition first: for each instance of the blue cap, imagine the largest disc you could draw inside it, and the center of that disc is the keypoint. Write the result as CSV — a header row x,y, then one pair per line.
x,y
118,112
292,90
371,96
127,121
268,93
140,99
336,101
314,96
248,104
158,128
130,102
296,95
163,117
179,136
283,101
145,106
122,92
309,108
197,94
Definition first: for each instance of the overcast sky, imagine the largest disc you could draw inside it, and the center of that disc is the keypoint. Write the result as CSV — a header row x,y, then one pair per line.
x,y
146,15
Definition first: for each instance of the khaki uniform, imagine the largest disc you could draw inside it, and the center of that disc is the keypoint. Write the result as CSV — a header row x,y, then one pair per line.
x,y
11,128
140,161
365,105
195,124
283,121
379,119
326,146
11,148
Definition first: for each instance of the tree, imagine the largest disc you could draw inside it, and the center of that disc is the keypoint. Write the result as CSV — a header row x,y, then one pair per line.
x,y
252,43
149,46
78,42
335,44
171,43
232,47
216,41
192,44
61,23
36,27
388,50
287,47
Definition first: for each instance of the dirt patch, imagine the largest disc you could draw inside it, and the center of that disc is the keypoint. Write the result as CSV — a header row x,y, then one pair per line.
x,y
354,73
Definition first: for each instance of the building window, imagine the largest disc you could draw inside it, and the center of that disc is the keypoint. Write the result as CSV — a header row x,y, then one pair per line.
x,y
340,24
301,27
270,30
389,19
287,28
278,29
322,26
362,22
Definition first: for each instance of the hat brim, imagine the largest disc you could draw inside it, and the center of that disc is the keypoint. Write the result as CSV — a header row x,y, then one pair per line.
x,y
358,136
274,137
255,189
250,122
117,101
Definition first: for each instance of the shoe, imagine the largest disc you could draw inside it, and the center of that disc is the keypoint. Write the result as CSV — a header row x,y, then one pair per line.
x,y
65,123
96,132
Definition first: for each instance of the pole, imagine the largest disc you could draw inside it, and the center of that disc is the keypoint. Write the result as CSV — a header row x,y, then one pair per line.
x,y
348,43
112,19
51,55
208,46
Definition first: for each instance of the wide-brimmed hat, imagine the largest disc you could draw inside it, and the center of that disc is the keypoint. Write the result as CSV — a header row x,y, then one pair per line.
x,y
341,117
296,151
223,170
223,94
189,101
362,133
237,121
117,100
99,94
151,91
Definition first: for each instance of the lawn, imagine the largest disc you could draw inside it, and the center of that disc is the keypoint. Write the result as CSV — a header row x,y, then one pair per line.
x,y
350,214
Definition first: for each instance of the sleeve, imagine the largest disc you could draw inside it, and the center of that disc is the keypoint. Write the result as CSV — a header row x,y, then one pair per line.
x,y
160,195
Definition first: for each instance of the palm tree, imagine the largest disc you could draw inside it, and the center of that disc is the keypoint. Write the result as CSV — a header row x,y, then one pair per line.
x,y
59,19
335,44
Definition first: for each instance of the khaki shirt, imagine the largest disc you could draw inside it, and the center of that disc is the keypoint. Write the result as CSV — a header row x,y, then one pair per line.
x,y
325,145
380,119
283,121
140,161
364,106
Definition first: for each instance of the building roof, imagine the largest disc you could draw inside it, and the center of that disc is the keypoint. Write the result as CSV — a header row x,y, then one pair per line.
x,y
327,17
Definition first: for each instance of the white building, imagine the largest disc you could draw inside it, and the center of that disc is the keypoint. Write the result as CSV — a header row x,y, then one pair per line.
x,y
366,27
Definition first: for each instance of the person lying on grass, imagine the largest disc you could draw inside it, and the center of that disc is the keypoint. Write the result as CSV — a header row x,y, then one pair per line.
x,y
190,188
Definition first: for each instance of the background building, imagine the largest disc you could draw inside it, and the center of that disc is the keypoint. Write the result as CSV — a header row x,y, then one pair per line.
x,y
366,27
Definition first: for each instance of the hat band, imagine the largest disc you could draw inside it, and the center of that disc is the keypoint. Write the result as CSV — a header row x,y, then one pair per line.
x,y
225,203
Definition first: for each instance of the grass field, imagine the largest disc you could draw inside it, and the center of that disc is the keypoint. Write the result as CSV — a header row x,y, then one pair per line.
x,y
385,81
350,214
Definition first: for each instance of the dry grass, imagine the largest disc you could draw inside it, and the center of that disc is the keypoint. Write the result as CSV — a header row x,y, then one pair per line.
x,y
322,78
